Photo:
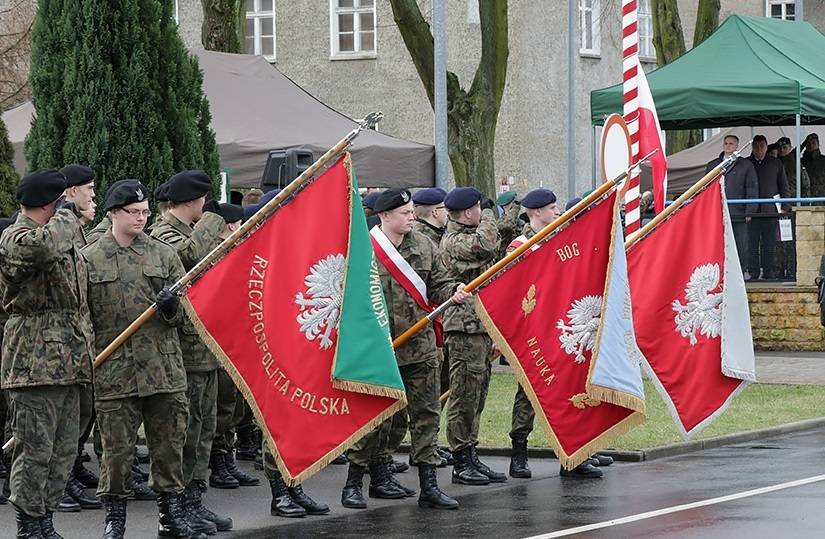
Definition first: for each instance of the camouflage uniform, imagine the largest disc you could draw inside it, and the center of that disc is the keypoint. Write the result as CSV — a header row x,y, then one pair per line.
x,y
467,251
47,353
144,380
192,244
417,359
524,416
95,233
230,413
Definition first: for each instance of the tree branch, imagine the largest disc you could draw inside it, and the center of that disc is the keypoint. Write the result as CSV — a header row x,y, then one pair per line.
x,y
418,38
491,73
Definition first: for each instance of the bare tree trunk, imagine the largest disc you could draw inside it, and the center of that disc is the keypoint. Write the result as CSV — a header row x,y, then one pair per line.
x,y
472,115
707,20
223,26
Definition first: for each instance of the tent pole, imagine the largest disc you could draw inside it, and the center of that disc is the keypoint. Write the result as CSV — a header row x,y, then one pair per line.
x,y
571,99
798,159
442,159
593,158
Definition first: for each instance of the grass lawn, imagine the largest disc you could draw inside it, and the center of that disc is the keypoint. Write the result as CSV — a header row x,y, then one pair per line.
x,y
758,406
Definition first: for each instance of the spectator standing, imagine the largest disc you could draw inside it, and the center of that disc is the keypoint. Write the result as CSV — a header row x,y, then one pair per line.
x,y
814,163
763,229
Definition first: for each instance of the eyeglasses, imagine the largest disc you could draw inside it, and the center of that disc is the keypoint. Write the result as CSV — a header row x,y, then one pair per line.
x,y
137,213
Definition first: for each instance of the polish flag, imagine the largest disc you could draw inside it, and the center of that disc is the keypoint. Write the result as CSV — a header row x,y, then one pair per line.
x,y
650,138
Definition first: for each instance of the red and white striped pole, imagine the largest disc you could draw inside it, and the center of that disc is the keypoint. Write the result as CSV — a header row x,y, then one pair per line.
x,y
630,67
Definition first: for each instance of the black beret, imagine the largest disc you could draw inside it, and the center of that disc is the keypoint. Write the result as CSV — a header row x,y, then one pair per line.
x,y
231,213
125,192
236,197
160,192
188,185
462,198
77,175
391,199
252,209
572,202
40,188
429,197
538,198
369,200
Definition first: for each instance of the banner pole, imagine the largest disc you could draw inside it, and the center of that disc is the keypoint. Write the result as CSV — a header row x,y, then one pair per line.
x,y
721,168
226,245
543,233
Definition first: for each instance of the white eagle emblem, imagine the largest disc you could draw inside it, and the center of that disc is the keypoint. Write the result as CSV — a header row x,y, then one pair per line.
x,y
703,310
580,336
321,307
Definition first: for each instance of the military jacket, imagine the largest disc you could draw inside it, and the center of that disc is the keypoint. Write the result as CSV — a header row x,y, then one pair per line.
x,y
123,282
192,244
430,231
527,231
48,338
95,233
508,226
466,252
420,253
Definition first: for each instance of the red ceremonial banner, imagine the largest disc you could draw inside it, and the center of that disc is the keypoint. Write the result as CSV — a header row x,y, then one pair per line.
x,y
270,311
676,282
544,315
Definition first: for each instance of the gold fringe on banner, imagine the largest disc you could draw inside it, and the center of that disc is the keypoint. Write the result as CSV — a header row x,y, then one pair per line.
x,y
582,454
240,383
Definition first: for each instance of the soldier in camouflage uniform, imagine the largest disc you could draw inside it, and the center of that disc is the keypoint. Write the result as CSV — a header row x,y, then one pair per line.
x,y
417,359
144,380
186,193
47,346
230,404
80,190
470,246
5,425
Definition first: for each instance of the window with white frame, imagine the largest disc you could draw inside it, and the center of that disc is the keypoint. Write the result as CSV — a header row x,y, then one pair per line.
x,y
260,28
352,28
780,9
589,27
645,24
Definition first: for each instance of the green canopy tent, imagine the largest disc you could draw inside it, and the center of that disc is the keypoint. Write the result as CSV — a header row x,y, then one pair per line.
x,y
753,71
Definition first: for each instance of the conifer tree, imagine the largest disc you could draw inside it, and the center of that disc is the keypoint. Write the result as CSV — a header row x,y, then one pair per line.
x,y
114,87
8,176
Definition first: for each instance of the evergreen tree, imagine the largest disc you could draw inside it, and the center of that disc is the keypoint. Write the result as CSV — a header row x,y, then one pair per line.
x,y
8,176
114,87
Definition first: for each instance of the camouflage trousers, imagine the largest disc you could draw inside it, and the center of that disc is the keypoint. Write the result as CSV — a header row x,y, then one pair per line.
x,y
421,385
202,397
164,417
469,382
231,412
398,429
87,414
524,416
44,422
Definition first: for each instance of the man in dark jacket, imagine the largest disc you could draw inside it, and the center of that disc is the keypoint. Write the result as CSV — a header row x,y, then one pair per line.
x,y
772,184
740,183
814,163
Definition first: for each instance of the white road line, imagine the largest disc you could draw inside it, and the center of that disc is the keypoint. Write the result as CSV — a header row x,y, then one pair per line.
x,y
677,508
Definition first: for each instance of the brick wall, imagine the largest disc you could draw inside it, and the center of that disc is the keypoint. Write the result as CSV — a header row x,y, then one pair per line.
x,y
786,318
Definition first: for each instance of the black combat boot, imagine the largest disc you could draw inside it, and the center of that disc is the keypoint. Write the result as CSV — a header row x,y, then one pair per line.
x,y
495,477
138,473
464,472
190,513
518,459
245,446
142,492
220,476
340,460
244,479
75,490
408,492
396,466
310,506
28,527
282,503
601,460
352,497
198,487
115,523
381,484
87,478
67,503
446,455
171,521
432,496
47,527
585,470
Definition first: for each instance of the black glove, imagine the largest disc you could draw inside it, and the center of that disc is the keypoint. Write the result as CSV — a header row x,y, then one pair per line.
x,y
212,206
487,203
65,204
167,303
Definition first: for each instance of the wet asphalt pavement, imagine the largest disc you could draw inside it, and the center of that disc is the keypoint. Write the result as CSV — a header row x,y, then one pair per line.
x,y
547,503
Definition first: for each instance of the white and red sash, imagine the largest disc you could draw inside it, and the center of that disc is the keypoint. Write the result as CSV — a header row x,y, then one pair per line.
x,y
406,276
518,242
